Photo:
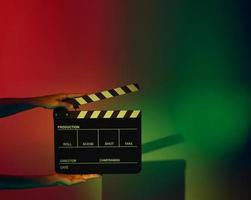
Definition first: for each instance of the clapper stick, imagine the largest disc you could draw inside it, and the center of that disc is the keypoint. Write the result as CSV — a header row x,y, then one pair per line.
x,y
106,94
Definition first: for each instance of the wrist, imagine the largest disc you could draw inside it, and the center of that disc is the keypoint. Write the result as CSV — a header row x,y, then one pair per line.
x,y
33,101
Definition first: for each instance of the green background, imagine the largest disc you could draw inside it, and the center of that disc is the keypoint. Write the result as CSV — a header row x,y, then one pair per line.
x,y
191,58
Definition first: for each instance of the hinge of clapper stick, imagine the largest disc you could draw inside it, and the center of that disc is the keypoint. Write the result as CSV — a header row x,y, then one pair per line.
x,y
106,94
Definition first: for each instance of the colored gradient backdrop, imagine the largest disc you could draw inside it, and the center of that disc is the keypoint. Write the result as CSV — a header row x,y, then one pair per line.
x,y
191,59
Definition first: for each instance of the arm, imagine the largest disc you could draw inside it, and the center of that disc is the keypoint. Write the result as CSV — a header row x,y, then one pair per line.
x,y
10,106
25,182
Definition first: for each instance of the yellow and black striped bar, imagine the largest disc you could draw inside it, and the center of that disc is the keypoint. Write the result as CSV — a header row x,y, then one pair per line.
x,y
106,114
106,94
100,114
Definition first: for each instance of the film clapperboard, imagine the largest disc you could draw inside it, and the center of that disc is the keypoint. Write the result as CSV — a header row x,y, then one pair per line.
x,y
98,141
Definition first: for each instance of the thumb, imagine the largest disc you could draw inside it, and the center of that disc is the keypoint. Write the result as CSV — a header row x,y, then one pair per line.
x,y
74,95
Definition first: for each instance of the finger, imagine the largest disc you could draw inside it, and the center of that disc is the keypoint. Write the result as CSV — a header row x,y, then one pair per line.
x,y
64,182
77,181
66,105
61,96
72,102
74,95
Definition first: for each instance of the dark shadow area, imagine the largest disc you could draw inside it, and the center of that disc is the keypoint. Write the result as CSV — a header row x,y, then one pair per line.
x,y
157,179
241,172
162,143
162,180
236,172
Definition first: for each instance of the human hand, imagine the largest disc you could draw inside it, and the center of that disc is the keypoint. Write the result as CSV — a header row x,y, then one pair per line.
x,y
55,101
67,179
24,182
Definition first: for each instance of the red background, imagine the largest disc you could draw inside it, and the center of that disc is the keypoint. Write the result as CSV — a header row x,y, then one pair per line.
x,y
49,47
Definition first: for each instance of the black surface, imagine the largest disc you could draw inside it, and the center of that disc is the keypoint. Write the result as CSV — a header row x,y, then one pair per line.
x,y
107,148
